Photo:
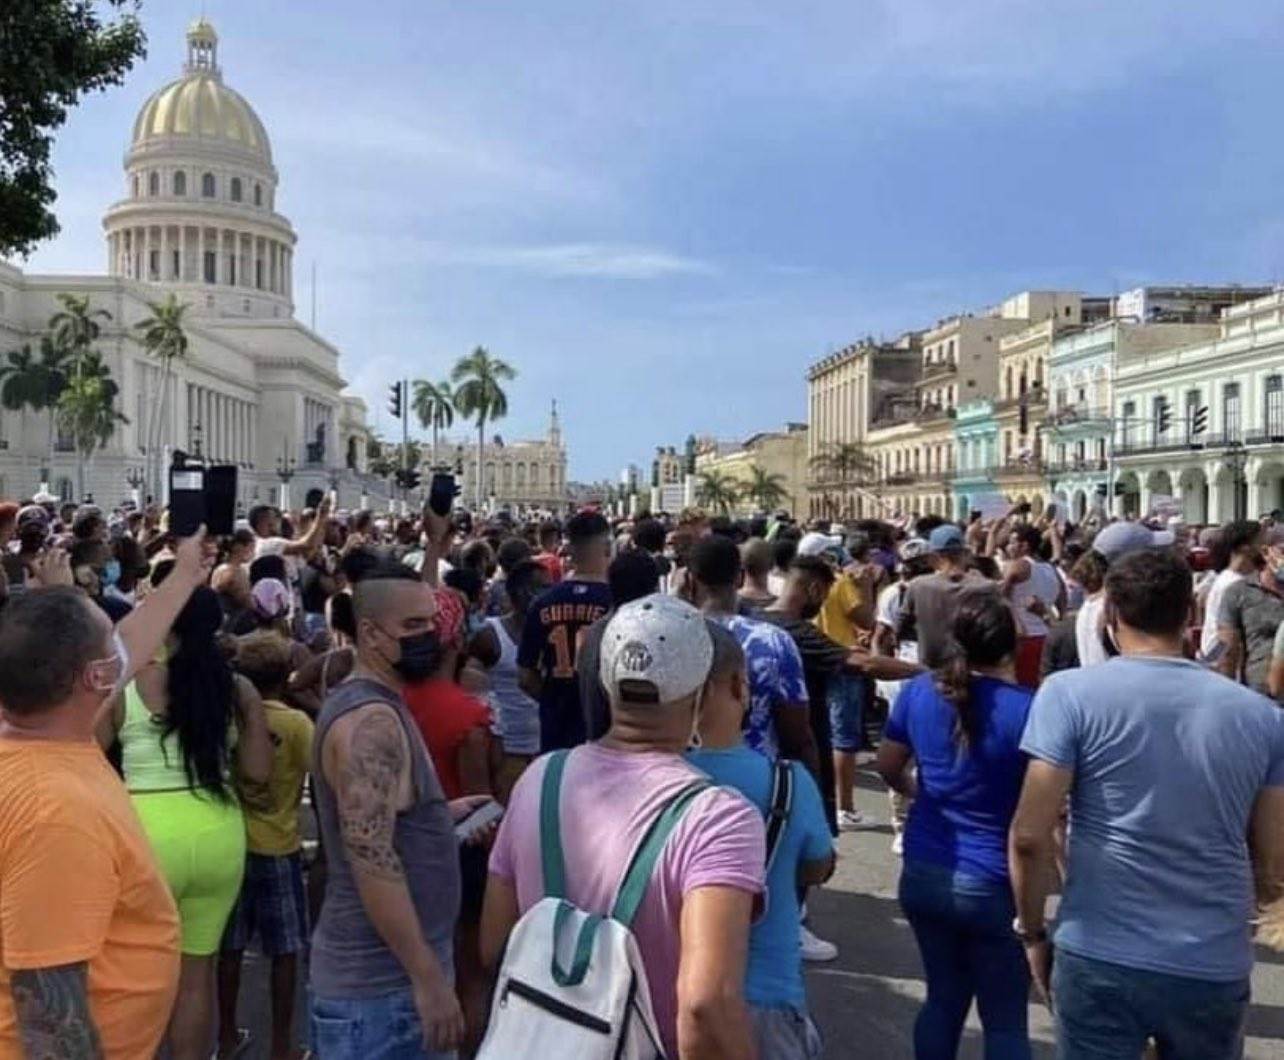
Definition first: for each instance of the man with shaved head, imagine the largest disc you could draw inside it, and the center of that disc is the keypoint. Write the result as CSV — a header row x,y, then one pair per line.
x,y
382,960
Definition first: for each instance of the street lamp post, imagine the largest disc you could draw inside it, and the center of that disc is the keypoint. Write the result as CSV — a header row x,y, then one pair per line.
x,y
135,478
285,468
1235,458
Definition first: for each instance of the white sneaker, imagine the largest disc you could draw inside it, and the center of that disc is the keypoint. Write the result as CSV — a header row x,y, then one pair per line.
x,y
850,820
813,949
898,844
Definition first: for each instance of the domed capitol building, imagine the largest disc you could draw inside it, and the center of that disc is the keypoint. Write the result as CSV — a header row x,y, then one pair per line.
x,y
257,388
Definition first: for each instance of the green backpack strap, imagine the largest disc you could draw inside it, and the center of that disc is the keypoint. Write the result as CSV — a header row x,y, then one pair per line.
x,y
638,876
550,826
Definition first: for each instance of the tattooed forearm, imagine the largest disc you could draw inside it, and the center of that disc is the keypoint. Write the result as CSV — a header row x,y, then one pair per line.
x,y
369,783
52,1008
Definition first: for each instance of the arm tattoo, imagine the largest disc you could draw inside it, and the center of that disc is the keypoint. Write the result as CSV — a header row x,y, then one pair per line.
x,y
52,1008
368,789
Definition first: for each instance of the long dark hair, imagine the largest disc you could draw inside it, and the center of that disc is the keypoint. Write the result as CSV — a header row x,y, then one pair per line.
x,y
984,635
201,694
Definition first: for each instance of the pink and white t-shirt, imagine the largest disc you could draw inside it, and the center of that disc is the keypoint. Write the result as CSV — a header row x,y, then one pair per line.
x,y
609,799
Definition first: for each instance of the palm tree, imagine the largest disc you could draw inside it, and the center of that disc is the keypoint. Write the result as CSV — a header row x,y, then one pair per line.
x,y
164,337
842,464
717,489
478,393
21,388
87,413
51,377
75,327
434,405
766,490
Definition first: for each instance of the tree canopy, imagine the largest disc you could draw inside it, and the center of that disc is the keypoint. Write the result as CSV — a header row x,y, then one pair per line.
x,y
52,52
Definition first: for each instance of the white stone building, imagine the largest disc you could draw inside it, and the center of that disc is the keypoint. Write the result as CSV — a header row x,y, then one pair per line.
x,y
257,388
1236,467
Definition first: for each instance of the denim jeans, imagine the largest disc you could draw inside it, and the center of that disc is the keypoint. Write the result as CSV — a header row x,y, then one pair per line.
x,y
847,711
1106,1011
369,1028
963,925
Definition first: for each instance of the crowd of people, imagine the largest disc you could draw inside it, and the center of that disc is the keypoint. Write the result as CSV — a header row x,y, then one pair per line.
x,y
419,762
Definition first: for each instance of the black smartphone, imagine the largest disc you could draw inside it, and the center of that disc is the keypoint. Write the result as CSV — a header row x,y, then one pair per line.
x,y
220,499
442,493
186,500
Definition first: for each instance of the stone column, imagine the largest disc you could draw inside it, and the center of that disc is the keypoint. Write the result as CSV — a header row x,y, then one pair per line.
x,y
147,252
165,269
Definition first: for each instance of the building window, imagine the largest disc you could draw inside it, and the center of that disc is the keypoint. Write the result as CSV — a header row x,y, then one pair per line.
x,y
258,273
1275,406
153,184
1129,414
66,491
231,270
1230,411
135,183
1192,406
180,183
236,189
207,185
258,194
211,267
177,264
153,265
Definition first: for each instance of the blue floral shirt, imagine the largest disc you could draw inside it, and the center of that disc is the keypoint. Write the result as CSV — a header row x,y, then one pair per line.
x,y
775,677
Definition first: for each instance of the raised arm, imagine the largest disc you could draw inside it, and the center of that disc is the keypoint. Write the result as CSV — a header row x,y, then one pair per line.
x,y
144,629
367,761
311,541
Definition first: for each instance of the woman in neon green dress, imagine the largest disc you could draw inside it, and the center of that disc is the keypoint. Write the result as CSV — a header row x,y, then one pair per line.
x,y
180,725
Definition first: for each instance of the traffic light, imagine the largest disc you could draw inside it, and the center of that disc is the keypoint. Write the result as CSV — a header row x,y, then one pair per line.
x,y
394,400
1200,423
1165,416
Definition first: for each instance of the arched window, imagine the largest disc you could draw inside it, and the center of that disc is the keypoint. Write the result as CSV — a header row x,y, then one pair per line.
x,y
153,184
521,476
236,189
508,475
207,185
258,194
534,474
180,183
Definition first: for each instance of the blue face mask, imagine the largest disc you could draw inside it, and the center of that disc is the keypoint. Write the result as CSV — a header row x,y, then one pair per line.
x,y
111,572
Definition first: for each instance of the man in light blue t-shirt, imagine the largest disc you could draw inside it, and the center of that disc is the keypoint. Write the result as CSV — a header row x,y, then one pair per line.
x,y
805,855
1172,771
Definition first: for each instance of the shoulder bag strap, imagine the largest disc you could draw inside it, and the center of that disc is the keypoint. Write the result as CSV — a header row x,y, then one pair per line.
x,y
550,826
782,800
638,875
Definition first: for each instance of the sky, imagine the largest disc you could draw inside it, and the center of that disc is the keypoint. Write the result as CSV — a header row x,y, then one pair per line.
x,y
660,213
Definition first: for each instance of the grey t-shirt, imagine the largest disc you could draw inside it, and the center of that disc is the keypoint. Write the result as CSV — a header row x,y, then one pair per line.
x,y
929,605
1255,614
1168,759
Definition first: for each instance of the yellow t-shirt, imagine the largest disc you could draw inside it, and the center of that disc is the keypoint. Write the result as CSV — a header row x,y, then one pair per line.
x,y
79,883
843,598
272,809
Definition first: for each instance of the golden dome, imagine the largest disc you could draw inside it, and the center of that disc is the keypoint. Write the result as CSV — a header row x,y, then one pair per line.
x,y
199,105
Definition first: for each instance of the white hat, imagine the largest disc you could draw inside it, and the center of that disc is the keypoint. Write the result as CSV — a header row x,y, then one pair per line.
x,y
817,544
655,650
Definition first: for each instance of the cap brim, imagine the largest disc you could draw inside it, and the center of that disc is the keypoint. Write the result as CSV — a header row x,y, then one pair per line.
x,y
1162,538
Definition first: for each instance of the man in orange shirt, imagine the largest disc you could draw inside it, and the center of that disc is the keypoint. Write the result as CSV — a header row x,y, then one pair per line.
x,y
88,931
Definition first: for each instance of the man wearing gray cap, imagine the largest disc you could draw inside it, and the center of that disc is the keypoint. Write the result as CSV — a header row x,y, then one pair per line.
x,y
692,927
1250,615
1111,544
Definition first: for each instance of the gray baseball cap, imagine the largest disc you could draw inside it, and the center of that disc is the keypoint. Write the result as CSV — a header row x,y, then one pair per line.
x,y
1118,539
655,650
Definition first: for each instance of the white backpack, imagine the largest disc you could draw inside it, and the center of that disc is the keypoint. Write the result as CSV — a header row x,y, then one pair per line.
x,y
572,985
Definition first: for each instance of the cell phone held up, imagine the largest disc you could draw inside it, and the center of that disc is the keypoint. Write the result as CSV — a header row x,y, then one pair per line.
x,y
202,496
442,493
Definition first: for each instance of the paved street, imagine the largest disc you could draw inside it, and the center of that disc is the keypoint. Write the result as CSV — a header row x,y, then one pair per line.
x,y
865,1002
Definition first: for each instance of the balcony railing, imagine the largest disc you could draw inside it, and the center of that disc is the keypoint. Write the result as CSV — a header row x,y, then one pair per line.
x,y
1076,465
901,478
939,369
1031,466
929,413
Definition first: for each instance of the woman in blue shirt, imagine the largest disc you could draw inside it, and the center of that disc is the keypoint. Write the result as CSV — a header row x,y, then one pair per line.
x,y
962,723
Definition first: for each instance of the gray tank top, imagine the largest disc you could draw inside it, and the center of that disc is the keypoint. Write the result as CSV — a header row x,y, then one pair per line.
x,y
349,959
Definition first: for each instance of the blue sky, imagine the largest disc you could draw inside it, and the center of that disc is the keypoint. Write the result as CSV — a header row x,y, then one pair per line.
x,y
662,212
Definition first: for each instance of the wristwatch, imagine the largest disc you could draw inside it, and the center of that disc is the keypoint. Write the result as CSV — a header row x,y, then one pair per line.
x,y
1028,937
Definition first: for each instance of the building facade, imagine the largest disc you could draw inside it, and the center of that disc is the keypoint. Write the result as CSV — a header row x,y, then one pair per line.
x,y
976,440
256,388
1235,468
847,392
520,477
779,454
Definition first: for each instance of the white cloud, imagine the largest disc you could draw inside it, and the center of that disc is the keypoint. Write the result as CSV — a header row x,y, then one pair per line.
x,y
600,260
